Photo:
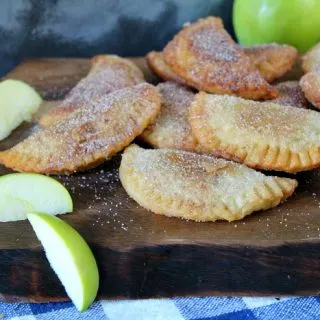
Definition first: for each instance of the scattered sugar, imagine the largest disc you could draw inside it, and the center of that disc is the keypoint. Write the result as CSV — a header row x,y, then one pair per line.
x,y
101,202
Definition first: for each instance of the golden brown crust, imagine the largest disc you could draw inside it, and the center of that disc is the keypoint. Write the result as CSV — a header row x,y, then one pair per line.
x,y
198,187
88,136
108,73
272,60
171,128
262,135
205,56
310,82
161,69
121,64
291,94
310,85
311,60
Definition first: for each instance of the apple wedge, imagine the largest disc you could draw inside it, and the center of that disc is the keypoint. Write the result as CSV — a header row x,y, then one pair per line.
x,y
69,256
21,193
18,101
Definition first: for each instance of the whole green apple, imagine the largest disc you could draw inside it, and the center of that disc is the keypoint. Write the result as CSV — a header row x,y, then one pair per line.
x,y
294,22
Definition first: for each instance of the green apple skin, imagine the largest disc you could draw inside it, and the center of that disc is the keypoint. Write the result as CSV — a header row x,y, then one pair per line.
x,y
294,22
52,231
21,193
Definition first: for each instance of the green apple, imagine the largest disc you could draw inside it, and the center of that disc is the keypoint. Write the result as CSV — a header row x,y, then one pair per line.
x,y
18,101
21,193
294,22
69,256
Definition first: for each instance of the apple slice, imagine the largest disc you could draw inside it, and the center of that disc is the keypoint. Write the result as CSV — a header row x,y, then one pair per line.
x,y
18,101
21,193
69,256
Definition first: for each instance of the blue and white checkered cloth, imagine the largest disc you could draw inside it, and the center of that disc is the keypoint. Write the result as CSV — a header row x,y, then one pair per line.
x,y
207,308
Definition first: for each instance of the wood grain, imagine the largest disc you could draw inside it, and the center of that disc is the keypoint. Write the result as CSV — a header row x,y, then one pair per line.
x,y
54,78
141,254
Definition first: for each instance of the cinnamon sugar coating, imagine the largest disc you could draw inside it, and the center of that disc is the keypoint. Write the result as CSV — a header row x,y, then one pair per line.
x,y
187,185
272,60
171,128
89,135
204,55
291,94
108,73
262,135
310,84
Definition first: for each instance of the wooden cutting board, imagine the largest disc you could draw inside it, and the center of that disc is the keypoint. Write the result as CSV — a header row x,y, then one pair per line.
x,y
141,254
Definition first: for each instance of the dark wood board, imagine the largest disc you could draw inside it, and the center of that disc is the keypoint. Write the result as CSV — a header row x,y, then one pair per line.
x,y
141,254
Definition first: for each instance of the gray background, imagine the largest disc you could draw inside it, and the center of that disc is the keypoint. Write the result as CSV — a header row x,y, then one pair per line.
x,y
38,28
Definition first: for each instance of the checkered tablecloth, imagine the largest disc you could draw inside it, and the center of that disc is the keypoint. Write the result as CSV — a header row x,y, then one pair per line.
x,y
207,308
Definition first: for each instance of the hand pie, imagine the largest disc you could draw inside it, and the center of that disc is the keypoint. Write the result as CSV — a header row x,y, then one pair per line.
x,y
88,136
260,134
188,185
205,56
108,73
161,69
310,84
171,128
290,94
272,60
311,60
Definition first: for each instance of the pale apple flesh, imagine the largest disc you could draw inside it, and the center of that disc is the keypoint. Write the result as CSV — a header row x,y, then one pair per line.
x,y
18,101
69,256
21,193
